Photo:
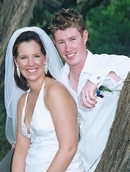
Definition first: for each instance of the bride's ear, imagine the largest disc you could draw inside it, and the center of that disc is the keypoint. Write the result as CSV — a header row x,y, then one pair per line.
x,y
45,67
17,67
15,61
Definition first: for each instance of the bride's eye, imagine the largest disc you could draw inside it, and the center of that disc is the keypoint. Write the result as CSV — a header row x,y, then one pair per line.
x,y
37,56
23,57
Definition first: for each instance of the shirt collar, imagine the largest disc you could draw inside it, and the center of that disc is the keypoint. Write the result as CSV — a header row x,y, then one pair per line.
x,y
89,63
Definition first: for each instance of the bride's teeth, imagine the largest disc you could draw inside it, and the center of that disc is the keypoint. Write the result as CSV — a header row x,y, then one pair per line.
x,y
32,70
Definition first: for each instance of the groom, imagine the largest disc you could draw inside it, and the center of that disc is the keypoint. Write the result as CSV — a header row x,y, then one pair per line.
x,y
93,80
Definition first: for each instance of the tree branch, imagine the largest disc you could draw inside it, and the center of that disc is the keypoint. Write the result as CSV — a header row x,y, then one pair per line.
x,y
88,5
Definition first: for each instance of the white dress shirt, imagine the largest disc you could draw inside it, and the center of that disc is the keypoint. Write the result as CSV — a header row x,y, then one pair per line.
x,y
95,123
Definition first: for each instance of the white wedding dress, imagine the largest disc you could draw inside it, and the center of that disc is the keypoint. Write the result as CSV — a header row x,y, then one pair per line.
x,y
44,143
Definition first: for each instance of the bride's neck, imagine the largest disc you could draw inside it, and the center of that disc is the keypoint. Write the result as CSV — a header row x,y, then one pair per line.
x,y
36,86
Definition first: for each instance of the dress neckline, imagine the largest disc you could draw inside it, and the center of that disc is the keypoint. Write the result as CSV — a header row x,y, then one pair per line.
x,y
23,112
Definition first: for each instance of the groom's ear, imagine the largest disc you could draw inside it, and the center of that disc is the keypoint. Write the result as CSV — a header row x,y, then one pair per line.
x,y
85,36
54,41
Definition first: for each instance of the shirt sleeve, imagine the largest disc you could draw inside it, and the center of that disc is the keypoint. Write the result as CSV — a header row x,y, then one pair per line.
x,y
118,64
112,84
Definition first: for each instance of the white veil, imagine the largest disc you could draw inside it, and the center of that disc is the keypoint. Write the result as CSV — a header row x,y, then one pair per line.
x,y
12,92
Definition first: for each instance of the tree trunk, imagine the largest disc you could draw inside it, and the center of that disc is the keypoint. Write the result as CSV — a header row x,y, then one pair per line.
x,y
116,156
14,14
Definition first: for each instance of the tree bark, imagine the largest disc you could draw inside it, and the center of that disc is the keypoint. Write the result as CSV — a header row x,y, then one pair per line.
x,y
116,156
14,14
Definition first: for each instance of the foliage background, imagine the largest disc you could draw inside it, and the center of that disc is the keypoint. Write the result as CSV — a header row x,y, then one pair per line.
x,y
108,23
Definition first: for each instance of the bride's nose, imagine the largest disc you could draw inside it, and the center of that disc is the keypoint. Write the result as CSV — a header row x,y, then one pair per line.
x,y
31,61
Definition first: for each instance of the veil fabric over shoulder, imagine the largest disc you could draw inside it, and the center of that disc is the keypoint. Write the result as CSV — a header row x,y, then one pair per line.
x,y
12,92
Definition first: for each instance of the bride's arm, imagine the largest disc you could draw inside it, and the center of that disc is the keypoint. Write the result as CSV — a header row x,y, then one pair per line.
x,y
63,111
21,147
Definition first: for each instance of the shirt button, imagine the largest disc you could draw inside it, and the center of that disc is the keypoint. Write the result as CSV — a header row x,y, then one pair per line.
x,y
98,77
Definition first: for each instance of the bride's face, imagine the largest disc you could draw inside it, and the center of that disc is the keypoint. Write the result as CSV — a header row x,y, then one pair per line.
x,y
30,60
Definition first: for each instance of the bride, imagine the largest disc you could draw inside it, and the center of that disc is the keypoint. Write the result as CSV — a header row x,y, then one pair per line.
x,y
47,129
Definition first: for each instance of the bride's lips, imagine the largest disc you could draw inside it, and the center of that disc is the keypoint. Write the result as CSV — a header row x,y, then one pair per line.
x,y
31,70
